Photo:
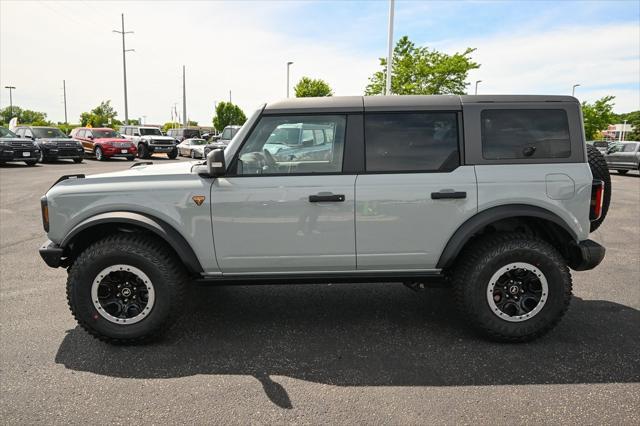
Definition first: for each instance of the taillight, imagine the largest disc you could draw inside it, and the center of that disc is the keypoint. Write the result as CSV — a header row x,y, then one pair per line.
x,y
597,196
44,206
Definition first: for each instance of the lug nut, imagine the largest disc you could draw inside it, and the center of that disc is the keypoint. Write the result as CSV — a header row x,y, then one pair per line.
x,y
118,295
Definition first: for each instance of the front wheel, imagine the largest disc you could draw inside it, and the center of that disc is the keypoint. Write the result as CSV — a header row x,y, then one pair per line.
x,y
126,288
99,154
622,172
143,151
31,163
173,154
512,287
77,160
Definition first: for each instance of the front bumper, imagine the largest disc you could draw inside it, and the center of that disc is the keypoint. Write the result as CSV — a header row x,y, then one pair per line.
x,y
62,153
18,154
117,152
586,255
162,148
52,254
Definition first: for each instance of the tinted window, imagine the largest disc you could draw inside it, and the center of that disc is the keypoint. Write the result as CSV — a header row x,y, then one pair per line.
x,y
27,133
629,147
287,145
150,131
6,133
420,142
525,133
190,133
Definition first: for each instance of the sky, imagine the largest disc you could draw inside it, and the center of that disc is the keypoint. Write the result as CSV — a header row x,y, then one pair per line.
x,y
524,47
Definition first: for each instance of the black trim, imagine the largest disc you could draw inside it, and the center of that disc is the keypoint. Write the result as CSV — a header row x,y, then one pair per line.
x,y
153,224
321,198
353,160
475,224
65,177
51,253
444,195
325,277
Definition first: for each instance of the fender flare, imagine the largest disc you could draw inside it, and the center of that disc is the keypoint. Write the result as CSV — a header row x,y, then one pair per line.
x,y
474,224
157,226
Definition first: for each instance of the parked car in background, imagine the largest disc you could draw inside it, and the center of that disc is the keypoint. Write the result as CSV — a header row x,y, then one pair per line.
x,y
150,140
193,148
104,143
53,144
602,146
12,148
227,134
182,133
624,157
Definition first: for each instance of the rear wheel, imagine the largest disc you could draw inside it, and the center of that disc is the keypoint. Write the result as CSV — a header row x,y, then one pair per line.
x,y
126,288
600,170
512,287
623,172
77,160
130,158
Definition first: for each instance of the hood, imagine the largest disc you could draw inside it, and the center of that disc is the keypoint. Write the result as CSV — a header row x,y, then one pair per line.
x,y
172,169
57,140
15,140
111,140
158,137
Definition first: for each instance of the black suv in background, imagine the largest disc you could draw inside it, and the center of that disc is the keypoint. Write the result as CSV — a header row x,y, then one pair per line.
x,y
53,144
13,148
182,133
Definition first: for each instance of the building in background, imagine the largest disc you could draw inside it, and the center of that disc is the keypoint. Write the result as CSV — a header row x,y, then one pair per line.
x,y
617,132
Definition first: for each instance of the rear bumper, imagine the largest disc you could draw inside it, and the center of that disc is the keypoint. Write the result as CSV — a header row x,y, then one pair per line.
x,y
586,255
52,254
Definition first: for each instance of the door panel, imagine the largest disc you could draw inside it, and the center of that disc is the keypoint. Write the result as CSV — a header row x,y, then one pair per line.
x,y
400,225
268,224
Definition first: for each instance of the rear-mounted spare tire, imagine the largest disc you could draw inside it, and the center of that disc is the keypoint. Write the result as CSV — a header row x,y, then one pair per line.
x,y
600,171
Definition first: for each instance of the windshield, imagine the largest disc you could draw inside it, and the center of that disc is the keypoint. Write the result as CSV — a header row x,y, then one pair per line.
x,y
105,134
47,132
198,142
6,133
153,132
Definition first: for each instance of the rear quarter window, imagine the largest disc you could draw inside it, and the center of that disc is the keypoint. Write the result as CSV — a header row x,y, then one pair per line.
x,y
525,133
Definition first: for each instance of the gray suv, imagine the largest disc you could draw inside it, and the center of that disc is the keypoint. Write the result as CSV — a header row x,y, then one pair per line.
x,y
624,157
494,196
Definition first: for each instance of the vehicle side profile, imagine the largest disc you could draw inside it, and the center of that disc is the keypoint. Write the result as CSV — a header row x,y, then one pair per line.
x,y
12,148
104,143
53,144
494,196
150,140
193,148
624,157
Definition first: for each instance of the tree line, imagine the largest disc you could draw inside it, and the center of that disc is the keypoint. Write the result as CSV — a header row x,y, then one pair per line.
x,y
416,71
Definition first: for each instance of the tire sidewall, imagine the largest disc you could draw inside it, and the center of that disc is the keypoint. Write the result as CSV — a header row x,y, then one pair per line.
x,y
556,298
81,280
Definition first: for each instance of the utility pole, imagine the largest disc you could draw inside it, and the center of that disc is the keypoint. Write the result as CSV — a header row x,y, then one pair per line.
x,y
623,131
184,99
477,82
64,95
229,96
387,90
288,65
573,89
11,88
124,67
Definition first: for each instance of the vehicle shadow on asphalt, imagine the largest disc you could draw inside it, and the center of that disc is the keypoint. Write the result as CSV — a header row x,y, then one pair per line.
x,y
364,335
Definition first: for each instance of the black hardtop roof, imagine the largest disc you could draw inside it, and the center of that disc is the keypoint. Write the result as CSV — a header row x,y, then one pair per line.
x,y
398,102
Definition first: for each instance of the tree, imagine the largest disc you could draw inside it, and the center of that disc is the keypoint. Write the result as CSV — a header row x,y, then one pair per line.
x,y
633,119
228,114
597,116
101,116
25,116
422,71
170,125
308,87
192,123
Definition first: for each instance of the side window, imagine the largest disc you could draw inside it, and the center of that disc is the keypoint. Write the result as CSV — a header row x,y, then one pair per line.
x,y
20,132
27,133
80,134
525,133
629,147
126,130
411,142
226,134
286,145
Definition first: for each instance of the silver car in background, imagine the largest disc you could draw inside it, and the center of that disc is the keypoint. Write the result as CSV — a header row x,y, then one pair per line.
x,y
624,157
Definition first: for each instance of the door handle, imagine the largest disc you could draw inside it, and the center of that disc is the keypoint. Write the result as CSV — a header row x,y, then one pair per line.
x,y
448,194
319,198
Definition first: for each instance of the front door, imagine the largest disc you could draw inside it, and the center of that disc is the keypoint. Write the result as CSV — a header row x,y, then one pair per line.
x,y
285,206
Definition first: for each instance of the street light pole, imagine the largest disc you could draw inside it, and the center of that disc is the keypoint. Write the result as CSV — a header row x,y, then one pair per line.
x,y
11,88
288,65
477,82
64,95
124,67
387,88
573,89
184,98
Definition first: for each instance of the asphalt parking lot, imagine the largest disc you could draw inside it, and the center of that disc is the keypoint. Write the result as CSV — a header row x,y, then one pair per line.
x,y
365,353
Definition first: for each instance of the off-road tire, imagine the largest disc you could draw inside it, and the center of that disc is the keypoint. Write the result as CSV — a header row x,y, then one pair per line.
x,y
143,151
77,160
622,172
173,154
482,258
31,163
142,251
600,170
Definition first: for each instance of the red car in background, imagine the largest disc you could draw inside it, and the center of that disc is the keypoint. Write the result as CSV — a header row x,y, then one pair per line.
x,y
104,143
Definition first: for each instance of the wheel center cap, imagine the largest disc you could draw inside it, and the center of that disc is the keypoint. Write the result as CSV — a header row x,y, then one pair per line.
x,y
126,292
514,289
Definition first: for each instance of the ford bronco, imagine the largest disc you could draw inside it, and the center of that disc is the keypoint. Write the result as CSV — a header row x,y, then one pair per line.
x,y
494,196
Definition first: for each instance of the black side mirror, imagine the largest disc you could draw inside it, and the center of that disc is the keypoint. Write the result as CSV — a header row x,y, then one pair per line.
x,y
215,163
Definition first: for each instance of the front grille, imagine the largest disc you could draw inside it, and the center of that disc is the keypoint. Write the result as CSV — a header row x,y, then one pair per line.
x,y
122,144
66,152
162,142
67,145
21,145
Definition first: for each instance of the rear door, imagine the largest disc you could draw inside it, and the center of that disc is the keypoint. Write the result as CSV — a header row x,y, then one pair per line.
x,y
288,213
415,192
